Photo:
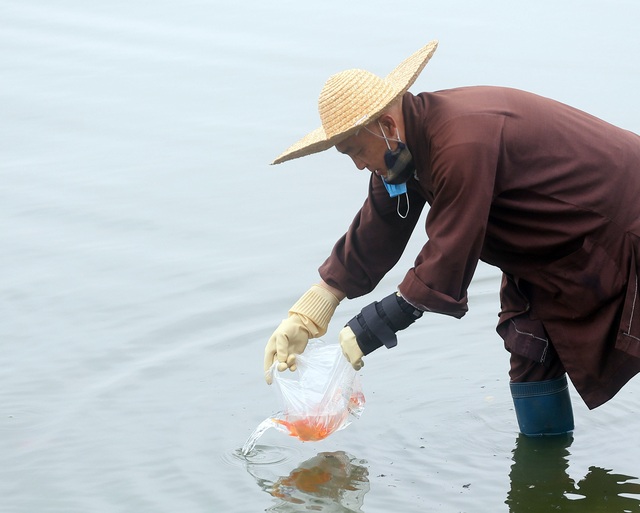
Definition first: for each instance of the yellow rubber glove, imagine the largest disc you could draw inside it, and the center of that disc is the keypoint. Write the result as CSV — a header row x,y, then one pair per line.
x,y
308,318
350,348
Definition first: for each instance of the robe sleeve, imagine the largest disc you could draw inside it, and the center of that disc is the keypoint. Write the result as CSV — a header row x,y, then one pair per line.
x,y
465,156
374,242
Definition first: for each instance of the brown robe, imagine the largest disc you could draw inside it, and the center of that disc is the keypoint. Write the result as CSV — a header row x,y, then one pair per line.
x,y
545,192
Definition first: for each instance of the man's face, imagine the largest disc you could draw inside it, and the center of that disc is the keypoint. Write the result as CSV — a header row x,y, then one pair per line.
x,y
366,149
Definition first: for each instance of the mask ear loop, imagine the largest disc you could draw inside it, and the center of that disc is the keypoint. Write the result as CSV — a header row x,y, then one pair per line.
x,y
384,136
398,206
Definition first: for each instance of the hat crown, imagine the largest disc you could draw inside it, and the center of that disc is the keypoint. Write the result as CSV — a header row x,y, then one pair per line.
x,y
353,98
349,99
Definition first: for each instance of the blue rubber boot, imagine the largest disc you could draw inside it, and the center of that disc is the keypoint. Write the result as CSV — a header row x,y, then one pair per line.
x,y
543,407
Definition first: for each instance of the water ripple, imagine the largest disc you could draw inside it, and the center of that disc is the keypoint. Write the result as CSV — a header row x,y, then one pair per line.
x,y
261,455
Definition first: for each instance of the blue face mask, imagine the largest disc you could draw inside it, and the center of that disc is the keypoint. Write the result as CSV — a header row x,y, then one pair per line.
x,y
399,164
395,189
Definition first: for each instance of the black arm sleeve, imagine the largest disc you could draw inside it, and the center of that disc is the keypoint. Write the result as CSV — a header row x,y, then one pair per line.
x,y
376,325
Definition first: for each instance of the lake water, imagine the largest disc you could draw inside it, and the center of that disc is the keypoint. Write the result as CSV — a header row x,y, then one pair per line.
x,y
149,251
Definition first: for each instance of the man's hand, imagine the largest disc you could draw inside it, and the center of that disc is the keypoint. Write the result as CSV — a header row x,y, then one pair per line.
x,y
289,339
308,318
350,348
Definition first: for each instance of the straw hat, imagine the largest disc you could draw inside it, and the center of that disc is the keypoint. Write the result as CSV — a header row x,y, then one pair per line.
x,y
355,97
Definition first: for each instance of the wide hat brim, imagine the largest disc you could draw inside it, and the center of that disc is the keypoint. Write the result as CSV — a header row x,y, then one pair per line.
x,y
354,98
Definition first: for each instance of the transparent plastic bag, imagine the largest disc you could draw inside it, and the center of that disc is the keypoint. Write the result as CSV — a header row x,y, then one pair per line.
x,y
321,396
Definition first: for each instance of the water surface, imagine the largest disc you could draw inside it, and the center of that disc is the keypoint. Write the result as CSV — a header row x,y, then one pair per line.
x,y
149,251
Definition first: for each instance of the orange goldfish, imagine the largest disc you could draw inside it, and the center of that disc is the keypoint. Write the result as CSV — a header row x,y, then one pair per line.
x,y
313,428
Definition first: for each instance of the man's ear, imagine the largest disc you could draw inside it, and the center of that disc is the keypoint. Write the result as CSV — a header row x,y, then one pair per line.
x,y
389,125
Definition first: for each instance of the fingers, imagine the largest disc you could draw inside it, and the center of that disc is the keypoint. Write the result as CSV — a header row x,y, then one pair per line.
x,y
286,342
350,348
286,359
282,366
290,363
269,358
277,350
357,364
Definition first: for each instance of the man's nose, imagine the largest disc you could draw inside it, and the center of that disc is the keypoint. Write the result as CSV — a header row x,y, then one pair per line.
x,y
360,164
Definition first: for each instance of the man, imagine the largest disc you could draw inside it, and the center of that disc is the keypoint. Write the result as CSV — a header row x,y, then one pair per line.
x,y
549,194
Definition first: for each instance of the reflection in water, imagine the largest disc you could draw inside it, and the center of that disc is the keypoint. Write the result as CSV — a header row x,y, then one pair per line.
x,y
330,482
539,481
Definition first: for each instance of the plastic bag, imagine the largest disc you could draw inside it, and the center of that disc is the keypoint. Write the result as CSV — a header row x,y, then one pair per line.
x,y
321,396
